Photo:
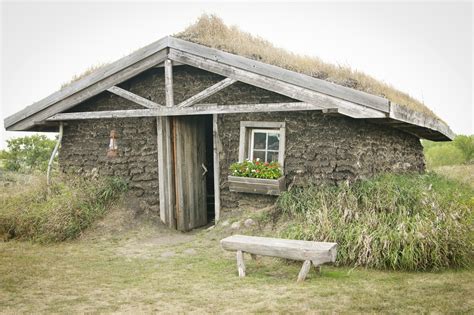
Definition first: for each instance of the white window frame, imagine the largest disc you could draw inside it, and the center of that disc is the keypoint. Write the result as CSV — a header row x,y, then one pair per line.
x,y
246,139
252,142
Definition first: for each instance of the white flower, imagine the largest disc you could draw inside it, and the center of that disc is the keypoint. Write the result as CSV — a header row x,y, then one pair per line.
x,y
258,160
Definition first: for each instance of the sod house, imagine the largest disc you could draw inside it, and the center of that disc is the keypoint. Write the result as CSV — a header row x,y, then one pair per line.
x,y
173,116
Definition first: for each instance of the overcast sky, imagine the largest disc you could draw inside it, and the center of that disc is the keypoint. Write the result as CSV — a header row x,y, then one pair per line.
x,y
424,49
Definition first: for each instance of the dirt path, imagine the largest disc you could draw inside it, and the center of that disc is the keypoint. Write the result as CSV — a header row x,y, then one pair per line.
x,y
163,243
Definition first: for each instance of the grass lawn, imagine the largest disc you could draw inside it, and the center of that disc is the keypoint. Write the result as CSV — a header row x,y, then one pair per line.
x,y
149,268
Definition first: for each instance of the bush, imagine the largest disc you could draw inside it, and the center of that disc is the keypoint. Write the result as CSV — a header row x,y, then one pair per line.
x,y
405,222
466,145
442,155
459,151
26,154
256,169
71,207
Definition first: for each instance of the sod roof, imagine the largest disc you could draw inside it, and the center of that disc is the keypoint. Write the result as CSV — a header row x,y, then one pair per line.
x,y
211,31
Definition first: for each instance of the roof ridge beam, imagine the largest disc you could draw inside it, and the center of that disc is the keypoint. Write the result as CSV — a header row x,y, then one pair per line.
x,y
207,92
137,99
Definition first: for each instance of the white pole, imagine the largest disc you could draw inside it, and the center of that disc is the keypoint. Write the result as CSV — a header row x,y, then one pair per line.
x,y
51,159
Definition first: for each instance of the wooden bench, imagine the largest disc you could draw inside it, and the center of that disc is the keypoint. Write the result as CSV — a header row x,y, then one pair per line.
x,y
316,253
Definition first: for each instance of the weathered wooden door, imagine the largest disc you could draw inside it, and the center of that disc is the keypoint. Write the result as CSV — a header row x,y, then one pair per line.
x,y
189,143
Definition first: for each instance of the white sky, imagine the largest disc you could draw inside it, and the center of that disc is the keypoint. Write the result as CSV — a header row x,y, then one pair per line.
x,y
424,49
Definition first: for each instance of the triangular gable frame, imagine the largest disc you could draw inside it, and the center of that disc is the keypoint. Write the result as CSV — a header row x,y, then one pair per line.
x,y
319,93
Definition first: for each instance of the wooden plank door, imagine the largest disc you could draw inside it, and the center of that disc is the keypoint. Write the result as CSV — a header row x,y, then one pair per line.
x,y
189,135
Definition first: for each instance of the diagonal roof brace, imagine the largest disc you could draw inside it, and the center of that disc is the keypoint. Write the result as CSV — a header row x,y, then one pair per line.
x,y
137,99
207,92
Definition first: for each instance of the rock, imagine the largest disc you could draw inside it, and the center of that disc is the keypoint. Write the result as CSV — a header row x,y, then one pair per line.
x,y
249,222
225,223
235,225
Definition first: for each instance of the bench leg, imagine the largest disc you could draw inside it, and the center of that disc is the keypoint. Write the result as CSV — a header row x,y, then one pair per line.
x,y
304,270
240,263
318,267
254,257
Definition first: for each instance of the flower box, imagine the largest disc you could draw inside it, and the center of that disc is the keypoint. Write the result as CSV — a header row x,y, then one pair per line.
x,y
257,185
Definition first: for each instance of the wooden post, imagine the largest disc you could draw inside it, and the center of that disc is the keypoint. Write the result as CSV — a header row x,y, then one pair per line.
x,y
165,156
240,264
217,191
304,270
169,82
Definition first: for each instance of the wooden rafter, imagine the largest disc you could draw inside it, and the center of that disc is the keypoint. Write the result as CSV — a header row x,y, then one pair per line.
x,y
271,71
89,86
137,99
277,86
207,92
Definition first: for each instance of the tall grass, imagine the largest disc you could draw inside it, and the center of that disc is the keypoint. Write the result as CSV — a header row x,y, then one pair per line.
x,y
406,222
31,213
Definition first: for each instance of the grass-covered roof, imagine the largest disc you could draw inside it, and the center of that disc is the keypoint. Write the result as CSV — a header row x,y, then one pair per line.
x,y
211,31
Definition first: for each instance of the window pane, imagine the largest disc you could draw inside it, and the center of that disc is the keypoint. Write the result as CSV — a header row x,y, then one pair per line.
x,y
272,156
273,141
259,140
259,155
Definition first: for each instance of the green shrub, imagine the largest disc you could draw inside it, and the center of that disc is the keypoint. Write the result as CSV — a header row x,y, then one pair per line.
x,y
458,151
442,155
466,145
256,169
26,154
406,222
71,206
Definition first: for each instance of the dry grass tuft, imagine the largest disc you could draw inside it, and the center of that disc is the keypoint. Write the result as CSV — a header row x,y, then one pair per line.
x,y
462,173
86,72
211,31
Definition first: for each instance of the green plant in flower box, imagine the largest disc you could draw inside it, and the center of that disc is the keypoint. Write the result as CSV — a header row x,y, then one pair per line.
x,y
256,169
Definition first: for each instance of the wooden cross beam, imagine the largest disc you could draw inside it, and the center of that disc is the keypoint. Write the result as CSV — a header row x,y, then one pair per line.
x,y
193,110
207,92
137,99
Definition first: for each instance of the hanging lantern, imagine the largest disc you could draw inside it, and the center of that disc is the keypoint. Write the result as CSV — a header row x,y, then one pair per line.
x,y
112,151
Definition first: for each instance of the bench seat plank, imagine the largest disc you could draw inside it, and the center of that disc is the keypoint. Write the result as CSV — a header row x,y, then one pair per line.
x,y
318,252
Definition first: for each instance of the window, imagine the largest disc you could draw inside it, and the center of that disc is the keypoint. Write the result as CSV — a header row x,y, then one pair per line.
x,y
264,145
262,140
